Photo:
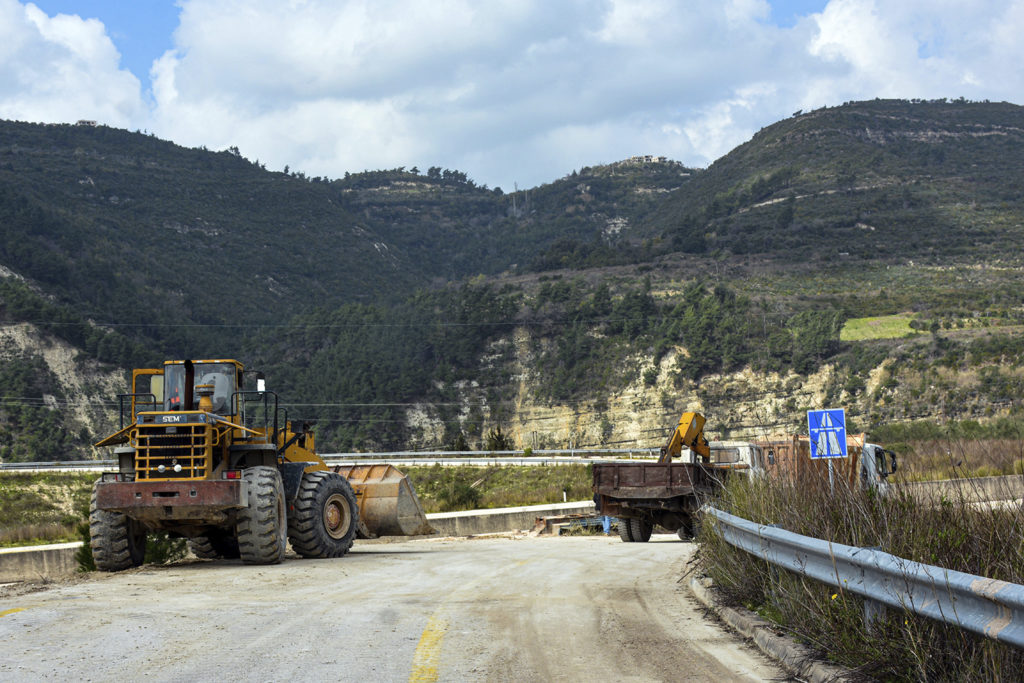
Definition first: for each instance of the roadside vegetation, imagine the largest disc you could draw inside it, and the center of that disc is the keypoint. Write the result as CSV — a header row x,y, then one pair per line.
x,y
448,489
42,508
945,531
929,451
54,507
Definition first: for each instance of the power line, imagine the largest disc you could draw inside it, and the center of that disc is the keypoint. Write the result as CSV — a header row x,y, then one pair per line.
x,y
310,326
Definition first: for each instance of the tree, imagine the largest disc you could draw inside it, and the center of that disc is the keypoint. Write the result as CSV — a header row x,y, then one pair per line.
x,y
496,440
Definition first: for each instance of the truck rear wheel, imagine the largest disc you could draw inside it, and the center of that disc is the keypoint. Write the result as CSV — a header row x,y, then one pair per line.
x,y
624,532
262,526
640,530
688,531
117,541
324,517
214,546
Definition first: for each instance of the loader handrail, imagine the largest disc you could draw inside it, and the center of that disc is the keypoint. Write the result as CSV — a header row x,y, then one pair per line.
x,y
239,398
131,398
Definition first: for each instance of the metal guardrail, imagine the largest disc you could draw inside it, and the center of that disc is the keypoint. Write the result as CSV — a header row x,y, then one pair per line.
x,y
988,607
537,457
85,465
534,453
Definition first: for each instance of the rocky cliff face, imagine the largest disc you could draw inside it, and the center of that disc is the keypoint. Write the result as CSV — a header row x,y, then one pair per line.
x,y
78,396
641,414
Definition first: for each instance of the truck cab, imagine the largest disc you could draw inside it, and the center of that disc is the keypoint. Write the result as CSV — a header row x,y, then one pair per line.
x,y
876,464
741,456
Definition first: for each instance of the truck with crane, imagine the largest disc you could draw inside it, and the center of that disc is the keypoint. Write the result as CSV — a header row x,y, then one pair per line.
x,y
645,495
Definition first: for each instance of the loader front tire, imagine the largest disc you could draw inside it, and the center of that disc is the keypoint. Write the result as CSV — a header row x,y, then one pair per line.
x,y
117,541
640,530
262,526
214,546
325,515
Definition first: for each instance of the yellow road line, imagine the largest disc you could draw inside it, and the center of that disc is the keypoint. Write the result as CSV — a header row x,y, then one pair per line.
x,y
428,652
11,611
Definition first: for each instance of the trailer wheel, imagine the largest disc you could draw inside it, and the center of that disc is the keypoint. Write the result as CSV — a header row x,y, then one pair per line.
x,y
624,531
214,546
324,517
262,526
117,541
640,530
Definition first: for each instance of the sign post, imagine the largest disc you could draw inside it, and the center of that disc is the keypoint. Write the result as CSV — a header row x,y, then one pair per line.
x,y
827,431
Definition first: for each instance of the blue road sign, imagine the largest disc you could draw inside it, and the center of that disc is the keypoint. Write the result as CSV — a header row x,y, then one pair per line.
x,y
827,429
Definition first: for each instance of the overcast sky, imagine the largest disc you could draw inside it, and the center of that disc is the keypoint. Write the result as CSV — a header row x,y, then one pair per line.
x,y
508,91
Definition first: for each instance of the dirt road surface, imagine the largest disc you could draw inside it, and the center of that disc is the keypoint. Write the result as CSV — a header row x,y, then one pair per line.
x,y
500,609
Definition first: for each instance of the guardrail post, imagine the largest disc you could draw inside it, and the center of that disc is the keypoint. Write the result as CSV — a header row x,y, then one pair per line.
x,y
873,611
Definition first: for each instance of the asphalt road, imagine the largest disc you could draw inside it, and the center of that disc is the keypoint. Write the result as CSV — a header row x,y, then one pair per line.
x,y
500,609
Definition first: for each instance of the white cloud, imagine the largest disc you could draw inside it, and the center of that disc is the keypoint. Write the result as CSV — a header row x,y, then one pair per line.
x,y
62,68
491,89
507,90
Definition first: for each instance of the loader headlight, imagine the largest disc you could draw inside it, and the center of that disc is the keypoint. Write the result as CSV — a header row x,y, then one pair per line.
x,y
177,468
161,469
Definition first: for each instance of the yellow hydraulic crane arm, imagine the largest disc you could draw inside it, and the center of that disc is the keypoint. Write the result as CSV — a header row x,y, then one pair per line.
x,y
689,433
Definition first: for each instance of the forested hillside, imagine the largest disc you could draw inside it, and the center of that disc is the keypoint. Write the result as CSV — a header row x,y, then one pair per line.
x,y
884,179
413,308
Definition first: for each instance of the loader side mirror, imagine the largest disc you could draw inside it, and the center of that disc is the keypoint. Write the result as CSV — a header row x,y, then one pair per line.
x,y
261,382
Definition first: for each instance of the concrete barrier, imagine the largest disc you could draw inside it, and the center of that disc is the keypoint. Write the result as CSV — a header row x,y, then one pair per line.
x,y
38,562
977,490
41,562
472,522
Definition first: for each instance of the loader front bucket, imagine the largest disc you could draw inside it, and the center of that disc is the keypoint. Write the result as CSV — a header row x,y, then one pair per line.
x,y
388,505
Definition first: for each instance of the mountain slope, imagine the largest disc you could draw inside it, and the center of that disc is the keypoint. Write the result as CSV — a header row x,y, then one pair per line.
x,y
882,179
134,229
600,303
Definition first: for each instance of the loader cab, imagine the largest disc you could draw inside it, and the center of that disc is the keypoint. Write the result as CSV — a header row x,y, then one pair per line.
x,y
173,387
180,379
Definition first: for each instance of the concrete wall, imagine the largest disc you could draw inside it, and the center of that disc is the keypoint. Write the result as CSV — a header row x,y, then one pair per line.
x,y
39,562
470,522
982,489
36,563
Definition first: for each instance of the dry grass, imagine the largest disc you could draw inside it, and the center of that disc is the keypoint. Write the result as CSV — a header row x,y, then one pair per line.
x,y
955,458
947,532
37,534
42,508
442,489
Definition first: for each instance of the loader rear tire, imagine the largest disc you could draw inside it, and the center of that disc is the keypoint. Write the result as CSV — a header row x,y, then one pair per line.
x,y
324,517
262,526
624,531
214,546
640,530
117,541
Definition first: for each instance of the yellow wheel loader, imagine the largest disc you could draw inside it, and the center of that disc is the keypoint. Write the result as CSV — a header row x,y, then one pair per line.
x,y
204,458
